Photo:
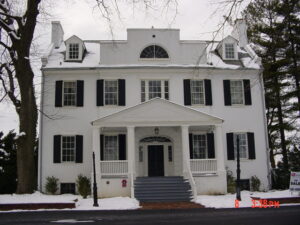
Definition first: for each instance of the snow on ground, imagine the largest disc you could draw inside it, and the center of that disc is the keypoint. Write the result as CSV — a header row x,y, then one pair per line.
x,y
36,197
228,200
126,203
117,203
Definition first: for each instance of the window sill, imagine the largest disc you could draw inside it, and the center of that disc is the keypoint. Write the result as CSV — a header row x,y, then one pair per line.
x,y
73,60
237,106
154,59
199,105
70,107
111,106
243,160
67,163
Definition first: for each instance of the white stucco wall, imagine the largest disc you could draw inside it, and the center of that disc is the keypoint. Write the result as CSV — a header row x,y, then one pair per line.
x,y
128,52
77,120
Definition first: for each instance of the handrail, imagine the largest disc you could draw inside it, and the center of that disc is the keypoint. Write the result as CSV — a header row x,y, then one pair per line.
x,y
192,183
190,177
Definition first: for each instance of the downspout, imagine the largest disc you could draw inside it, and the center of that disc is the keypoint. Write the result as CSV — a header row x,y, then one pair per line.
x,y
265,124
41,135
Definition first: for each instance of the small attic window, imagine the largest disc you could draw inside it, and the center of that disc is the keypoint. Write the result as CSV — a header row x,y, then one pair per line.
x,y
229,51
73,51
154,52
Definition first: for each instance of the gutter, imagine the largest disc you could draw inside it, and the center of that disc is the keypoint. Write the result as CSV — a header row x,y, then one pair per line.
x,y
41,136
143,67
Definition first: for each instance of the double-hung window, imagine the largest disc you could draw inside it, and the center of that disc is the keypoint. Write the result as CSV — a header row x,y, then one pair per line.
x,y
153,89
69,93
73,51
111,148
237,92
229,51
199,146
243,145
68,148
111,92
197,92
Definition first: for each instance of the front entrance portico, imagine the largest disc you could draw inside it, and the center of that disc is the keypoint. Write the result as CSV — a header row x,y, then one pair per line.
x,y
174,157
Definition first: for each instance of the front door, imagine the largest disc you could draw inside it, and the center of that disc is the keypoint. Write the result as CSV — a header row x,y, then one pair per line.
x,y
155,160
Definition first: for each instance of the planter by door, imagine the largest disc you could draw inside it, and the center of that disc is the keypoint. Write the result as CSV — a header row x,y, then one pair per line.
x,y
155,160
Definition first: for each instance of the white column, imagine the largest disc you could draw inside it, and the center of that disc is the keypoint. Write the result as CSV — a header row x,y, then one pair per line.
x,y
131,156
96,149
219,148
185,145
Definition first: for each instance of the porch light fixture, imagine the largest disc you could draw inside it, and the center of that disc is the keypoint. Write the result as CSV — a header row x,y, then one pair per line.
x,y
156,130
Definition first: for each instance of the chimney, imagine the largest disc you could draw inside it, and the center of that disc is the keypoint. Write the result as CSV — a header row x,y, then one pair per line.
x,y
240,32
57,35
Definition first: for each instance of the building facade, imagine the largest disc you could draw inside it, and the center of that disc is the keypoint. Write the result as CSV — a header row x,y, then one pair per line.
x,y
152,106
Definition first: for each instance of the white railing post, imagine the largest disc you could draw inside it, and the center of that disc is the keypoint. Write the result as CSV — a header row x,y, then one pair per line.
x,y
131,156
203,166
186,158
116,167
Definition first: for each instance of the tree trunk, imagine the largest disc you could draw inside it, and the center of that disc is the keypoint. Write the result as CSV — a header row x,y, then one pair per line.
x,y
28,121
271,152
281,124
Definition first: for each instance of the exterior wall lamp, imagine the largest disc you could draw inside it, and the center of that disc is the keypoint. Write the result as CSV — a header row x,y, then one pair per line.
x,y
156,130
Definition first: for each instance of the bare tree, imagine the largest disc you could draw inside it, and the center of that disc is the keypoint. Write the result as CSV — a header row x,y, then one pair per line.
x,y
16,75
18,20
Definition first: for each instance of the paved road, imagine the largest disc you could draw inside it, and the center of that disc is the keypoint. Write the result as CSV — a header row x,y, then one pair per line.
x,y
289,215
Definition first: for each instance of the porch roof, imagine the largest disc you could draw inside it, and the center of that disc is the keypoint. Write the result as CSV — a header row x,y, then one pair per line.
x,y
157,112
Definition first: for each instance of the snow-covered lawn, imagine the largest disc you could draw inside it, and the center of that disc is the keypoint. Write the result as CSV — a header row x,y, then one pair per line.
x,y
117,203
228,200
126,203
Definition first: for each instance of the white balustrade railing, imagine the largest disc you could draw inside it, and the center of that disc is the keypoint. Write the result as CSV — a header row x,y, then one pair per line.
x,y
117,167
203,165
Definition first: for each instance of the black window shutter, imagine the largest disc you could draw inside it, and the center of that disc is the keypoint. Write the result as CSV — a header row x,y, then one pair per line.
x,y
208,93
58,93
101,147
191,145
122,147
122,92
247,92
100,92
227,95
230,146
187,91
79,148
210,145
80,92
251,145
57,149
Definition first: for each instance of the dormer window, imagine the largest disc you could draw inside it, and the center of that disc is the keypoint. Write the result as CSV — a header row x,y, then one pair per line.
x,y
154,52
229,51
73,51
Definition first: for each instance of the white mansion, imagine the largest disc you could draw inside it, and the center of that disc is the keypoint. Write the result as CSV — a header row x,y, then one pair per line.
x,y
161,114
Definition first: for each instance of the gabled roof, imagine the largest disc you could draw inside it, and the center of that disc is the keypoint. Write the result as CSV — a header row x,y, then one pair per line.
x,y
157,112
228,37
74,37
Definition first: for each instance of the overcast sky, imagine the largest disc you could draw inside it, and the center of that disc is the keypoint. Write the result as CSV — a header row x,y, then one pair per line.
x,y
196,19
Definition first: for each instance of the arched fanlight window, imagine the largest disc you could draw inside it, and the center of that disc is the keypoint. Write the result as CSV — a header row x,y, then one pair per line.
x,y
154,51
155,139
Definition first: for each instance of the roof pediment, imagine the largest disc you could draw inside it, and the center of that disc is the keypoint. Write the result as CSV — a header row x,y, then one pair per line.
x,y
157,112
